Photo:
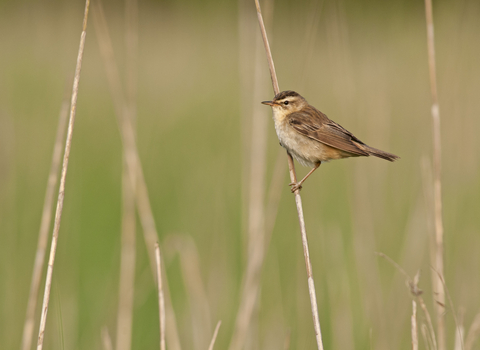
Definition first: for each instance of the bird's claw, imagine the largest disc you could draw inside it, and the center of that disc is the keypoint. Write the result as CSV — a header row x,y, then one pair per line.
x,y
295,186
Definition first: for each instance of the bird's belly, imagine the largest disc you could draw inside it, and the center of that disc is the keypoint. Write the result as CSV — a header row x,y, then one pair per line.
x,y
306,151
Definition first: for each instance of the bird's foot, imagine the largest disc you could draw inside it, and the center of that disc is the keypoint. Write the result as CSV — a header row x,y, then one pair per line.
x,y
295,186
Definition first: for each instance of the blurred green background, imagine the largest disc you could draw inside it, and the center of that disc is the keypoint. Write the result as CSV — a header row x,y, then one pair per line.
x,y
362,63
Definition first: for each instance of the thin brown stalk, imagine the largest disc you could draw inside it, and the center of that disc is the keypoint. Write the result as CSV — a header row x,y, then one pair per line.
x,y
458,323
245,30
298,199
131,54
459,335
198,300
171,331
473,333
127,266
172,338
256,209
412,284
433,339
128,140
126,132
394,263
271,65
132,159
438,287
426,339
271,210
161,300
414,326
45,226
214,337
61,191
127,254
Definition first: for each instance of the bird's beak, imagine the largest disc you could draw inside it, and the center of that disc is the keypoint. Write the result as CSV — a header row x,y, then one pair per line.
x,y
269,103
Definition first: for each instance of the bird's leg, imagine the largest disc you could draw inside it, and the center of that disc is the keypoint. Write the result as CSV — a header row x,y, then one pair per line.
x,y
298,185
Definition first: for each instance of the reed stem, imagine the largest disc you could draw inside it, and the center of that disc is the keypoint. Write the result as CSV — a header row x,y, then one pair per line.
x,y
161,299
437,259
61,191
128,241
44,227
298,198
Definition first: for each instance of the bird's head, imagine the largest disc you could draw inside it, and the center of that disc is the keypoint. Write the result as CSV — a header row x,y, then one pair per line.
x,y
287,102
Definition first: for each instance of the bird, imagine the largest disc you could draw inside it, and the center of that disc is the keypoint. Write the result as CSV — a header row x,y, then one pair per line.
x,y
311,137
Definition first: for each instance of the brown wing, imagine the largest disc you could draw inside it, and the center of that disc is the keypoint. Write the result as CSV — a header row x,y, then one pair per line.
x,y
316,126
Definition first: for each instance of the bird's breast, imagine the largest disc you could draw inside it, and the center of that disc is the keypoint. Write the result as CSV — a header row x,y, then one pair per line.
x,y
305,150
300,147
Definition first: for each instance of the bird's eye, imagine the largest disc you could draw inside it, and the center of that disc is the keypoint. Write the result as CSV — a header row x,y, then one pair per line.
x,y
285,103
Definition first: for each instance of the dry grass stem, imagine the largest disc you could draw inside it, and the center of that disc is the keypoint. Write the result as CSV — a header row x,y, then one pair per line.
x,y
394,263
214,337
171,327
473,333
196,292
273,74
161,300
127,266
256,209
106,339
438,286
458,323
298,199
459,335
127,132
416,292
426,339
127,253
45,226
133,162
414,326
61,191
431,331
131,54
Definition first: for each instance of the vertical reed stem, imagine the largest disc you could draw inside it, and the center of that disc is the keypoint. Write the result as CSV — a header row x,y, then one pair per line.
x,y
214,337
127,134
128,240
161,299
133,162
414,326
298,198
61,191
44,227
438,287
256,208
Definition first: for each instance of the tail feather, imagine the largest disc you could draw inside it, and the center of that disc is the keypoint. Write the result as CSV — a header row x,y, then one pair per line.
x,y
378,153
